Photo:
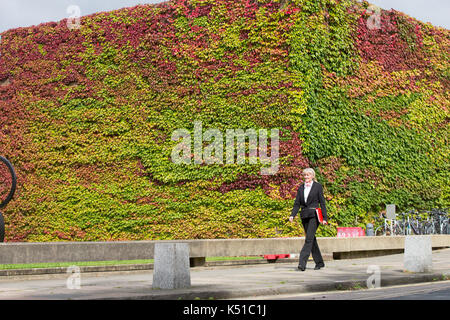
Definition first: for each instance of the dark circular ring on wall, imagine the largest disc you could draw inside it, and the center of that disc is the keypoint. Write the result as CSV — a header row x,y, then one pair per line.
x,y
2,228
5,162
12,189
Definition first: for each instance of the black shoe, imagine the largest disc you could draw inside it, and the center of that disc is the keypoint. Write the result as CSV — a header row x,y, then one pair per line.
x,y
318,266
301,268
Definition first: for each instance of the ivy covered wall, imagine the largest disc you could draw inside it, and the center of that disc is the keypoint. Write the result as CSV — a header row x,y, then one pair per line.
x,y
87,115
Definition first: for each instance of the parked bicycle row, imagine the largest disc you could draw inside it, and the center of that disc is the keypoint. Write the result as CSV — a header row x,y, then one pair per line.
x,y
413,222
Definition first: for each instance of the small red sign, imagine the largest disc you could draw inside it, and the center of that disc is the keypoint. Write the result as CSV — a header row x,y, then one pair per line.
x,y
350,232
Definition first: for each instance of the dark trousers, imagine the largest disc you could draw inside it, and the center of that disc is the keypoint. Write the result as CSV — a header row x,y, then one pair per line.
x,y
310,225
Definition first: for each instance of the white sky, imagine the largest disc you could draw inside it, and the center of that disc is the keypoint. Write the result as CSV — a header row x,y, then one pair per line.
x,y
435,11
24,13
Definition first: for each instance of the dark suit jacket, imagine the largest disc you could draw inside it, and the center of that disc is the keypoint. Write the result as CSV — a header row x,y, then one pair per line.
x,y
315,198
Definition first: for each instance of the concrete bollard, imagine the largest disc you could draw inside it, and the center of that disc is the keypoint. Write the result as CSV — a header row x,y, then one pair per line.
x,y
417,257
171,266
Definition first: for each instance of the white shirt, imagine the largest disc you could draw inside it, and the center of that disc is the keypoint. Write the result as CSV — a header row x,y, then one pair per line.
x,y
307,190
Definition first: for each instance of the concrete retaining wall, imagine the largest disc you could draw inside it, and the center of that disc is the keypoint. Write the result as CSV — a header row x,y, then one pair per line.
x,y
19,252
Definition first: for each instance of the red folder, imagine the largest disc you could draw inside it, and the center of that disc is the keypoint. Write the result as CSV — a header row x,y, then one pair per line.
x,y
319,214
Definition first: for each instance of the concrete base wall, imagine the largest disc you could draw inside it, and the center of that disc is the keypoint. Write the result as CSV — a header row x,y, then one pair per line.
x,y
19,252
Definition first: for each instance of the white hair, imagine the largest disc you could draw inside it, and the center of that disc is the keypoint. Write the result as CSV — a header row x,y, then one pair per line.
x,y
310,170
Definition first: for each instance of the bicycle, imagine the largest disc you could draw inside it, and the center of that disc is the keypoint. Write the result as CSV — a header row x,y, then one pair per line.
x,y
441,219
411,222
8,184
389,227
381,229
399,227
429,226
420,220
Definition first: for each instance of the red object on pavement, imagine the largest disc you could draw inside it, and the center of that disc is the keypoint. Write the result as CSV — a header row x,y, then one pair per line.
x,y
350,232
272,257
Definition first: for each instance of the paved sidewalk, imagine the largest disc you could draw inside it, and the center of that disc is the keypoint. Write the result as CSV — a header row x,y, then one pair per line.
x,y
227,282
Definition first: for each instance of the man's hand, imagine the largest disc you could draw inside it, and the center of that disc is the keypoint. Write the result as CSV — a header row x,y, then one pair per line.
x,y
291,219
324,222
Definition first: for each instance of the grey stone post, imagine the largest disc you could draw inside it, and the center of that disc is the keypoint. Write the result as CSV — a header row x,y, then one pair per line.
x,y
369,230
417,256
171,266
